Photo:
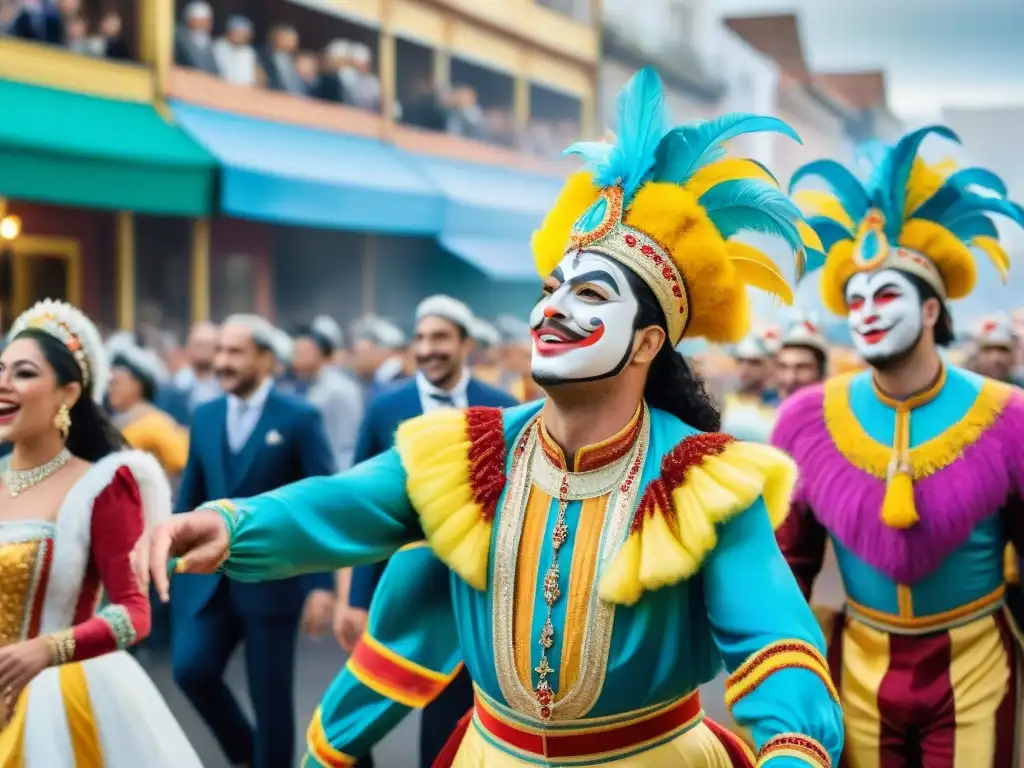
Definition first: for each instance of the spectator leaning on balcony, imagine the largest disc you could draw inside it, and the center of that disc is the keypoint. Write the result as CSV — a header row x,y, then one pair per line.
x,y
307,69
361,84
109,38
36,20
193,45
235,56
337,62
465,118
280,62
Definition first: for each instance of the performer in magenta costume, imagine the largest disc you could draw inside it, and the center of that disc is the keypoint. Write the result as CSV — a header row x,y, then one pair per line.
x,y
913,470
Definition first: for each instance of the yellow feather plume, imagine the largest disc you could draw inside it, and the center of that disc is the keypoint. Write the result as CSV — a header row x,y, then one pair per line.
x,y
815,202
727,170
756,269
995,252
923,182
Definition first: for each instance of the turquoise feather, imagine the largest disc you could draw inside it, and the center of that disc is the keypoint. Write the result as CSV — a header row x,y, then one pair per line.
x,y
896,170
829,230
975,226
594,153
970,205
642,122
749,205
686,149
844,185
977,177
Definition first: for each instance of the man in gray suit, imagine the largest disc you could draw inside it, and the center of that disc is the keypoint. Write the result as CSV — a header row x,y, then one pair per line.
x,y
336,395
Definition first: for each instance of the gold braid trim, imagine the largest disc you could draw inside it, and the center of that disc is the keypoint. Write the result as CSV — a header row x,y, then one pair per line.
x,y
795,745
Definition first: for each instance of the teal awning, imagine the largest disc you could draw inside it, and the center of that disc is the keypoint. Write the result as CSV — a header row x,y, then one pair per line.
x,y
85,151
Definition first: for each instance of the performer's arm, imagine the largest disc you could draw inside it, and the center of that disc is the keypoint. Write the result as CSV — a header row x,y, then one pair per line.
x,y
117,523
321,523
317,459
405,660
779,686
802,540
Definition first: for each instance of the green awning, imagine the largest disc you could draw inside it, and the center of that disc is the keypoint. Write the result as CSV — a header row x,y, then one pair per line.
x,y
85,151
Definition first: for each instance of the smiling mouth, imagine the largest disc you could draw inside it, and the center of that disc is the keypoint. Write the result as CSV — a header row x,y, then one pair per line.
x,y
8,411
876,335
552,338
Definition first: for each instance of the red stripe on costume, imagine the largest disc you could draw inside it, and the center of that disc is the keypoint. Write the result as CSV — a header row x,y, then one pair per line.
x,y
446,757
690,453
486,457
916,691
391,676
739,754
1006,715
590,741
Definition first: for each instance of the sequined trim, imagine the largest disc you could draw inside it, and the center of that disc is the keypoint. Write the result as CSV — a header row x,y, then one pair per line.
x,y
530,464
25,551
121,626
62,647
595,456
782,654
796,745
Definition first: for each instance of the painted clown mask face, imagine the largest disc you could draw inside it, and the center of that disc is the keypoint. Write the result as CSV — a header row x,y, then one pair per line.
x,y
885,315
583,325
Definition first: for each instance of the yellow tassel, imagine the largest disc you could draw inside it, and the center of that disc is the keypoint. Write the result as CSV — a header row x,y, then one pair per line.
x,y
620,584
898,510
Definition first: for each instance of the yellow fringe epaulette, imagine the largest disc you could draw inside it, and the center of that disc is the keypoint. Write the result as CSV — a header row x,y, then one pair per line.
x,y
705,480
454,462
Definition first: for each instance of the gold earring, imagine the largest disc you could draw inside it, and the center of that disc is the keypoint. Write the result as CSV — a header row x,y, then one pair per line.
x,y
62,421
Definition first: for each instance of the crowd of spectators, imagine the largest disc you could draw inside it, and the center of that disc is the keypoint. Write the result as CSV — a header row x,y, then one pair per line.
x,y
343,73
63,23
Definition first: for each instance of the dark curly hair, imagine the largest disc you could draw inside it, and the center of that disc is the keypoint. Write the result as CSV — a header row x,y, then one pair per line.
x,y
671,385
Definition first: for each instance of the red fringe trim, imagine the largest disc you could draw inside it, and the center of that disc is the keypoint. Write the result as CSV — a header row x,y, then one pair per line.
x,y
690,453
486,457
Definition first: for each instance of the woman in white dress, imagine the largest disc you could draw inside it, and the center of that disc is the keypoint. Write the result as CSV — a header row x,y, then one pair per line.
x,y
73,502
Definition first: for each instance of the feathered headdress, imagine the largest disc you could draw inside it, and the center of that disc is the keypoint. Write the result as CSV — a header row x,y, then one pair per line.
x,y
665,202
908,216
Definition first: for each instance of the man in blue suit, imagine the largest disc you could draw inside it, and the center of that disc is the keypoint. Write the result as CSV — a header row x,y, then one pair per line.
x,y
252,440
442,345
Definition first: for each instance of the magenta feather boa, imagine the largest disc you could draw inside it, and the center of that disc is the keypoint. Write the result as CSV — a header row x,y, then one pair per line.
x,y
847,500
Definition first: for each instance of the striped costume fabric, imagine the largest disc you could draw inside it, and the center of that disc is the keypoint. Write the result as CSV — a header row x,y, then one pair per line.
x,y
946,699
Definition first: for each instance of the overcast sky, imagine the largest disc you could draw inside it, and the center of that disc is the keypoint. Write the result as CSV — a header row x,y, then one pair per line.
x,y
936,53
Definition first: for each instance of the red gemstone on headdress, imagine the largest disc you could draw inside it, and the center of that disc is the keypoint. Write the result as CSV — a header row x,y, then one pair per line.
x,y
677,291
630,240
666,273
646,250
656,258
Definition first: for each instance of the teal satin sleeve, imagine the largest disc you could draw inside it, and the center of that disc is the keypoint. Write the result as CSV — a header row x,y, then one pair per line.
x,y
322,523
412,617
754,601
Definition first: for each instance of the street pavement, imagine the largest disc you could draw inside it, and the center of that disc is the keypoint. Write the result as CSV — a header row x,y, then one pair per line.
x,y
318,661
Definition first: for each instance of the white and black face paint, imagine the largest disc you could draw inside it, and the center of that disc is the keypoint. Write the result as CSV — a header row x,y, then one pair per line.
x,y
885,315
583,326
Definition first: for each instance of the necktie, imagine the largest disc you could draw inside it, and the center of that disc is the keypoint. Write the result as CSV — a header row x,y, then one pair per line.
x,y
443,399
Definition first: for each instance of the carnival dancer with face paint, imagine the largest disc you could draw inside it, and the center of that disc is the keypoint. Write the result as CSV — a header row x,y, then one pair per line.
x,y
913,469
606,554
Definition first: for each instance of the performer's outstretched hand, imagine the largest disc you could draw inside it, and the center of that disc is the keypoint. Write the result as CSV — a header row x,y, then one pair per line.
x,y
193,542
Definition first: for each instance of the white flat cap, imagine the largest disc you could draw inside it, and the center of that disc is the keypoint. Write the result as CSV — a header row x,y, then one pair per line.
x,y
484,333
995,331
328,327
448,308
261,330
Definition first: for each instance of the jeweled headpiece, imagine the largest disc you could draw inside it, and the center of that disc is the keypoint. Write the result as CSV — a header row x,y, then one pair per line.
x,y
76,332
666,202
920,219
